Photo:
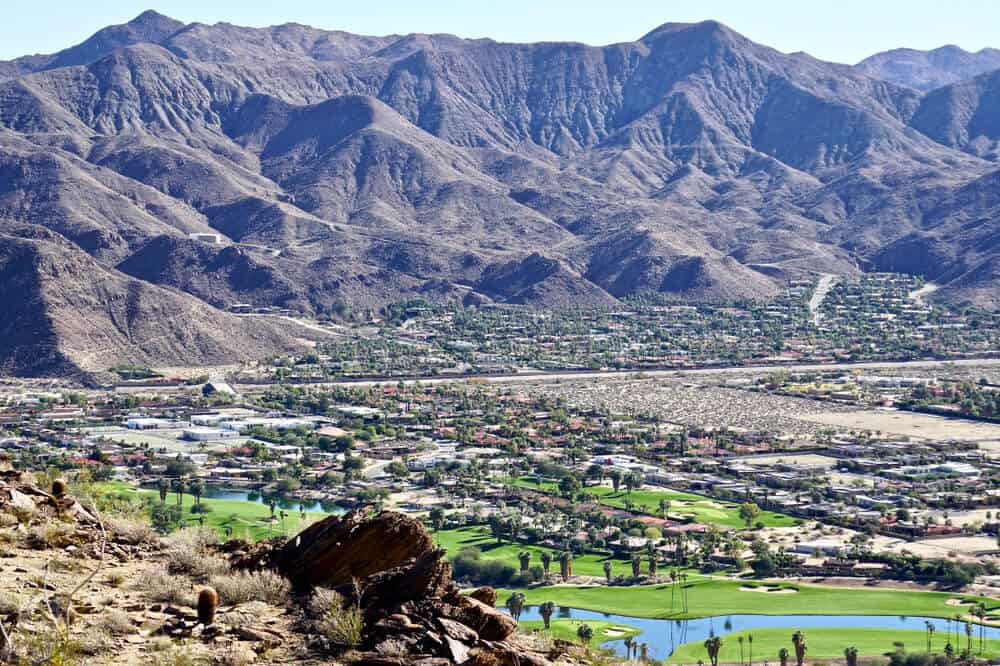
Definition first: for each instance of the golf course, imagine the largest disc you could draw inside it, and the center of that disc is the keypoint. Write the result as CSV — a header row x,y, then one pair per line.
x,y
591,564
682,506
829,643
247,520
566,630
715,596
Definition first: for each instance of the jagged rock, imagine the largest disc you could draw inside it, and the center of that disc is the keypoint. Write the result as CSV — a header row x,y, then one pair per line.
x,y
487,595
501,653
338,550
424,577
260,635
488,622
458,631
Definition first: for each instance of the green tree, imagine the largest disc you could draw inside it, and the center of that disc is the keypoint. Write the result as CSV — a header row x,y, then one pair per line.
x,y
749,513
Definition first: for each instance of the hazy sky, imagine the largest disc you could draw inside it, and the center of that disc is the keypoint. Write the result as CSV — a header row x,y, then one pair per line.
x,y
839,30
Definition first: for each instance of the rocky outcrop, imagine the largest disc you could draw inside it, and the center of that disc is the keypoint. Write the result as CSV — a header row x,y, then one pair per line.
x,y
387,567
339,550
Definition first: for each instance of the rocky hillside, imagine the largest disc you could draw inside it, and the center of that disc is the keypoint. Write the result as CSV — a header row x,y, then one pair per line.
x,y
353,590
927,70
344,169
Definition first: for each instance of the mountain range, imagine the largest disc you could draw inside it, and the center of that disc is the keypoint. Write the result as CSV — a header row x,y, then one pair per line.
x,y
334,170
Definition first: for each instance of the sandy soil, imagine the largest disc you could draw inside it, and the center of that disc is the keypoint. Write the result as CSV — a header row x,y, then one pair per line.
x,y
921,426
768,590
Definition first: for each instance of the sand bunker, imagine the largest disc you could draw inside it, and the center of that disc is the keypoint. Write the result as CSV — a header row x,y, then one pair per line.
x,y
615,632
957,602
769,590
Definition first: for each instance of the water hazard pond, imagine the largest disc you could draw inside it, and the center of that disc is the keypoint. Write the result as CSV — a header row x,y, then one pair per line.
x,y
664,636
286,503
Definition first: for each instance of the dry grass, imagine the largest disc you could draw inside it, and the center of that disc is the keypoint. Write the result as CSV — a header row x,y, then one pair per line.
x,y
160,585
241,587
187,553
116,622
50,535
340,622
130,530
238,655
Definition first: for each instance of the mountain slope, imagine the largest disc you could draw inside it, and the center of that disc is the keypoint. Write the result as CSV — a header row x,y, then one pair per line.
x,y
927,70
340,168
64,313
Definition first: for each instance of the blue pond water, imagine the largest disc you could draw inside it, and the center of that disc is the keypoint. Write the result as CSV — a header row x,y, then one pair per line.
x,y
664,636
288,504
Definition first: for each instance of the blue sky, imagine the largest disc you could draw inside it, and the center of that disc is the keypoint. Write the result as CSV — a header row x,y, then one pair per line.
x,y
838,30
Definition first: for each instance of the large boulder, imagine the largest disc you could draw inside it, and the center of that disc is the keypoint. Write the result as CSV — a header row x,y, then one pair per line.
x,y
338,550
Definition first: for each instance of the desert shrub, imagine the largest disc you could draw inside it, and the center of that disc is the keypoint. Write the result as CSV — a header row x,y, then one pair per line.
x,y
471,566
116,622
159,585
50,535
10,602
342,622
238,655
187,553
193,538
130,530
8,519
241,587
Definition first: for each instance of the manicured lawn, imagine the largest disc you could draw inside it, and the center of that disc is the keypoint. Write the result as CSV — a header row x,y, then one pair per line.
x,y
248,520
821,643
566,630
720,597
698,508
480,537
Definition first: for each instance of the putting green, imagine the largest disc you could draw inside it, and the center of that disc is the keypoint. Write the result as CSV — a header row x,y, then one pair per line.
x,y
721,597
821,643
566,629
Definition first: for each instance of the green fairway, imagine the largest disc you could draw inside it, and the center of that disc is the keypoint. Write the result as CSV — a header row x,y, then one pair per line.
x,y
566,630
821,643
248,520
720,597
683,506
480,537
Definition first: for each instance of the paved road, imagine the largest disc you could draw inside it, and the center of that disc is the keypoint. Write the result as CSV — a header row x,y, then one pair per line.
x,y
597,374
823,287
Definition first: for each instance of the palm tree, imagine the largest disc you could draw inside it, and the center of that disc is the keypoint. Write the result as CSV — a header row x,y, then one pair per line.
x,y
197,488
673,585
980,612
515,604
629,642
783,656
930,634
585,633
713,645
607,570
565,565
739,639
750,649
178,487
163,486
636,563
799,641
546,610
644,652
968,638
851,656
524,557
684,590
546,561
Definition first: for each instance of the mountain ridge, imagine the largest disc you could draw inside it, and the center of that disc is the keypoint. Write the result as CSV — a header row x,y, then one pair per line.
x,y
344,169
